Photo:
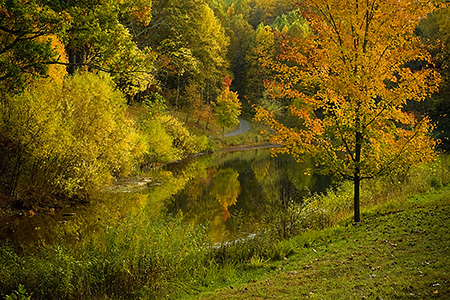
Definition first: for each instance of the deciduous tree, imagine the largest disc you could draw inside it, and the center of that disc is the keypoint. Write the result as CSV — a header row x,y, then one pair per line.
x,y
240,34
262,44
25,41
192,45
349,82
64,140
228,107
435,30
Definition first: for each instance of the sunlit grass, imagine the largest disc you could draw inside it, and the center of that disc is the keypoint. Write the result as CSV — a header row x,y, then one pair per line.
x,y
400,249
401,254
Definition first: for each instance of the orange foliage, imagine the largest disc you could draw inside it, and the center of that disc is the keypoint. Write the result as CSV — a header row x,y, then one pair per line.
x,y
56,71
350,81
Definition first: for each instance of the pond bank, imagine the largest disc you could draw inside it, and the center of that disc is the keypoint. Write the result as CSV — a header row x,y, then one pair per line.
x,y
401,253
8,205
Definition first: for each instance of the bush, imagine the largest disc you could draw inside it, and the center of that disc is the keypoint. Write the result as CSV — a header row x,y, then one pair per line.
x,y
19,294
64,141
167,139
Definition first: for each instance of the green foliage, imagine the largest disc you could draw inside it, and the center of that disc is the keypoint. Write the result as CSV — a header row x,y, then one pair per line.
x,y
434,30
20,294
399,253
228,108
94,34
192,47
292,23
159,143
26,50
324,210
64,141
141,255
192,103
262,44
240,33
156,106
99,39
145,260
166,138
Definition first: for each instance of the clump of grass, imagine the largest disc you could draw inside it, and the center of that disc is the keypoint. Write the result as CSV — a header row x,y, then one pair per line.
x,y
327,209
130,261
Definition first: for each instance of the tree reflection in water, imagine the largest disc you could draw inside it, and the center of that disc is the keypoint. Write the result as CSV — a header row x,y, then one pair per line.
x,y
243,192
231,194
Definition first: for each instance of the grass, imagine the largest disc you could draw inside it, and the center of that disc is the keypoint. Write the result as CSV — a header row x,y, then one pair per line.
x,y
400,250
401,253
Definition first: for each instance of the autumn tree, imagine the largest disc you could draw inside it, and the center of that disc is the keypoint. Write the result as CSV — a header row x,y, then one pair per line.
x,y
262,44
94,34
26,33
98,39
64,140
261,11
191,44
292,23
349,82
240,32
228,107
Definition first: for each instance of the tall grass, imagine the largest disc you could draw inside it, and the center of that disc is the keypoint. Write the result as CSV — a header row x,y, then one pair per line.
x,y
327,209
167,259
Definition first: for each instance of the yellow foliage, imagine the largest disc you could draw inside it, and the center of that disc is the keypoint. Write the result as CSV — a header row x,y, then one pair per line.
x,y
56,72
65,140
349,82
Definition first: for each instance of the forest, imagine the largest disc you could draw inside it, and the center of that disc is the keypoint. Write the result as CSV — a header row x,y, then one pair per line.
x,y
71,70
94,92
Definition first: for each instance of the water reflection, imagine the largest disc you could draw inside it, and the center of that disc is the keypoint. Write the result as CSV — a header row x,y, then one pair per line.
x,y
231,194
243,191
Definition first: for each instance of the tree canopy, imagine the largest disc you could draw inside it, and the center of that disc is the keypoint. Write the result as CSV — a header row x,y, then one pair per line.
x,y
350,81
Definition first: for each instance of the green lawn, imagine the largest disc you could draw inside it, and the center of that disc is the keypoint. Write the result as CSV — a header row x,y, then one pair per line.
x,y
391,254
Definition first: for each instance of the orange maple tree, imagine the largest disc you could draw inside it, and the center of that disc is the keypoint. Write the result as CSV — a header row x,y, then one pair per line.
x,y
349,82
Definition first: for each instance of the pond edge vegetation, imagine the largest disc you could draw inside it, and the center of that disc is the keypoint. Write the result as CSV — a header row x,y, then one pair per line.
x,y
175,261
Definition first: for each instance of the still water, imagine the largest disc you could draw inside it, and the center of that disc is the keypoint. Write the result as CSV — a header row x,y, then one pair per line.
x,y
231,194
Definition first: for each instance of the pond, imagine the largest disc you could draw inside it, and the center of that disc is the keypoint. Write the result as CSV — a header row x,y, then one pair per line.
x,y
229,194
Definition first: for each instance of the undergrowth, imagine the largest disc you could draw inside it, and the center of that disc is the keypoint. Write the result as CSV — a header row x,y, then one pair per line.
x,y
170,259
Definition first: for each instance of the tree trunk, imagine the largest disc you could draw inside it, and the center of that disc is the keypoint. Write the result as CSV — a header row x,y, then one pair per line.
x,y
15,176
357,177
178,91
72,61
356,183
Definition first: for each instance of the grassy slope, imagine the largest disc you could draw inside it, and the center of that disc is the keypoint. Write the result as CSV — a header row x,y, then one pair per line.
x,y
392,254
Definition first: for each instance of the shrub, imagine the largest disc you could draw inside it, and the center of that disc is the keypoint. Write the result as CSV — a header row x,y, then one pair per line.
x,y
167,139
64,141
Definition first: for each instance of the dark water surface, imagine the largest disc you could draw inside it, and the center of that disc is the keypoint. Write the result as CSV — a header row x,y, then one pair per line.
x,y
231,194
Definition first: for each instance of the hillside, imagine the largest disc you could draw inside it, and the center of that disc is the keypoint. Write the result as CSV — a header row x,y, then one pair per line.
x,y
401,253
